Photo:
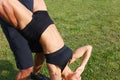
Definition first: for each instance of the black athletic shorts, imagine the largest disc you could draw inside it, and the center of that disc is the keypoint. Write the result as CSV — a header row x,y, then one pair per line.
x,y
20,47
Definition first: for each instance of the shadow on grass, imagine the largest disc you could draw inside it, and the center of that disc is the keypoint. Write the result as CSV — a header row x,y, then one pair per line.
x,y
7,71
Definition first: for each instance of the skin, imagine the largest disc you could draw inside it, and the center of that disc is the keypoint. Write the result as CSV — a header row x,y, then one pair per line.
x,y
25,73
82,52
50,39
9,16
39,59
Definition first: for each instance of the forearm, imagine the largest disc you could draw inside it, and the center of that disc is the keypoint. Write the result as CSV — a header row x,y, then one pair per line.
x,y
22,14
86,57
7,13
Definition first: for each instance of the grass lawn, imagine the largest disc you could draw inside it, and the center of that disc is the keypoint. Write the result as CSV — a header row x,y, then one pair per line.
x,y
80,22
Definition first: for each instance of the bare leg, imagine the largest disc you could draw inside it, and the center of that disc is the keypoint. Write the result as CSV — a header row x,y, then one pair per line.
x,y
38,59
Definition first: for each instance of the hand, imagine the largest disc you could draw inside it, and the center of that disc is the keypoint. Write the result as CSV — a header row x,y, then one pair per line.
x,y
80,70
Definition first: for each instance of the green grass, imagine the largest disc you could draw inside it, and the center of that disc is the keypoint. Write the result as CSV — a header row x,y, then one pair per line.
x,y
81,22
